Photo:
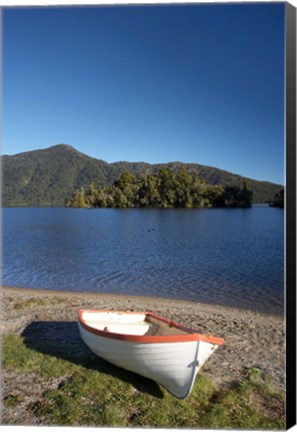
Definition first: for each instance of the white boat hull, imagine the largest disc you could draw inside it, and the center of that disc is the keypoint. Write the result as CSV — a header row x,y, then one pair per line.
x,y
174,365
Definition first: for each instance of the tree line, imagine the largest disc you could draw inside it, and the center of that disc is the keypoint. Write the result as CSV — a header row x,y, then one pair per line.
x,y
279,200
165,189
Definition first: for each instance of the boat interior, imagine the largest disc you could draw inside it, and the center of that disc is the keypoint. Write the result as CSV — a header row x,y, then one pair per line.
x,y
161,328
132,324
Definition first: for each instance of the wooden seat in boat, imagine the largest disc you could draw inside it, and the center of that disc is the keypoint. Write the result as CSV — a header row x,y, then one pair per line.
x,y
161,328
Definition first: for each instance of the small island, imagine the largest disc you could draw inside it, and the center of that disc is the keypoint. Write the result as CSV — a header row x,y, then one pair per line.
x,y
165,189
278,200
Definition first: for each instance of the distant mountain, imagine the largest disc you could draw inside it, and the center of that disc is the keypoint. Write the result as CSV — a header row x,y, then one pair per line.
x,y
49,177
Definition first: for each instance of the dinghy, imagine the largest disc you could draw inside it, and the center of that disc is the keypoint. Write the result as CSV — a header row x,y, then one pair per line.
x,y
149,345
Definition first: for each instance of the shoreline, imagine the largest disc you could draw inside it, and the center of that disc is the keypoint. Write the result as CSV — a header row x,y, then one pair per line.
x,y
143,298
252,339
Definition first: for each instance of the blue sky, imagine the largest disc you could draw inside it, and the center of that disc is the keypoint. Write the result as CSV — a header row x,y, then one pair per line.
x,y
193,83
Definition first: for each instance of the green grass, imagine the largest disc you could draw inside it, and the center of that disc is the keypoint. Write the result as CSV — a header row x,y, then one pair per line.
x,y
12,400
251,404
92,395
17,356
29,303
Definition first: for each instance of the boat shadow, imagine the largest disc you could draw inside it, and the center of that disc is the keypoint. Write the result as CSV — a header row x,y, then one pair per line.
x,y
61,339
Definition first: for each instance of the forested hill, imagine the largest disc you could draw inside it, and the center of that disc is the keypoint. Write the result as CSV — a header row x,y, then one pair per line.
x,y
49,177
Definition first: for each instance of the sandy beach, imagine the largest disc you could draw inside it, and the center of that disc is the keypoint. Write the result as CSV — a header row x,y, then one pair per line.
x,y
251,339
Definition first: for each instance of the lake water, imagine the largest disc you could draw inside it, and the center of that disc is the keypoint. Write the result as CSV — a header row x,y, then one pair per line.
x,y
231,257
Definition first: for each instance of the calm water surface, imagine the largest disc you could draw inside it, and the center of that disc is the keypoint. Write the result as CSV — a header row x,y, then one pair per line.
x,y
232,257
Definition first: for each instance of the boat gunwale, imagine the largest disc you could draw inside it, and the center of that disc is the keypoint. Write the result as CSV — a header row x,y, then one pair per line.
x,y
190,336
